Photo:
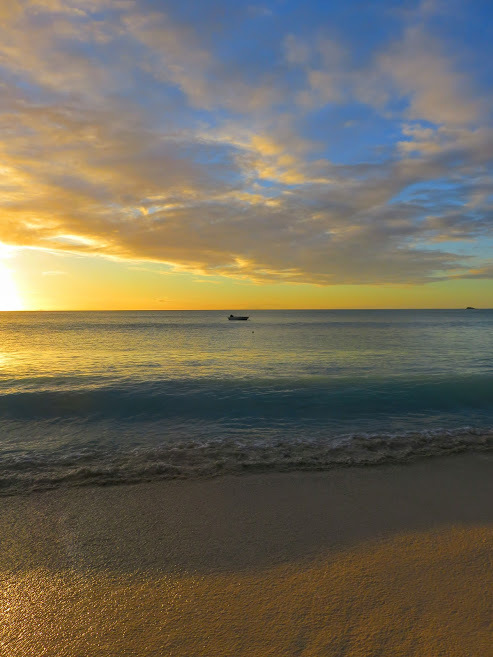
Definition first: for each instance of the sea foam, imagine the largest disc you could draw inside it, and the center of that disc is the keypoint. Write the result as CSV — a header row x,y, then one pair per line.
x,y
209,458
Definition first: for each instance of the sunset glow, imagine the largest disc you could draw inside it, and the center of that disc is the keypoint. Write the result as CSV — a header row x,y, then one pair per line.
x,y
9,297
238,155
9,294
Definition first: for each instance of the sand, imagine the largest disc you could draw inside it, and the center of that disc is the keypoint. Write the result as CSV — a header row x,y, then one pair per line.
x,y
387,561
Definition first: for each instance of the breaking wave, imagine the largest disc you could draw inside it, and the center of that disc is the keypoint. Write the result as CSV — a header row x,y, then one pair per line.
x,y
209,458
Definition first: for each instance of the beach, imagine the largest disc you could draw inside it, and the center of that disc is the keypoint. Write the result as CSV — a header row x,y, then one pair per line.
x,y
385,560
316,479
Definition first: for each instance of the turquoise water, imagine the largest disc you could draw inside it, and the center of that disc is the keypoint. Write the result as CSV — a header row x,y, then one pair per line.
x,y
121,396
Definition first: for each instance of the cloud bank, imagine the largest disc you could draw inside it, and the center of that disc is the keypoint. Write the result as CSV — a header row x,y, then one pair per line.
x,y
243,143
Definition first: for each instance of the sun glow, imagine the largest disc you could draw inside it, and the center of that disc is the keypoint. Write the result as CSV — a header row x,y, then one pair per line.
x,y
9,295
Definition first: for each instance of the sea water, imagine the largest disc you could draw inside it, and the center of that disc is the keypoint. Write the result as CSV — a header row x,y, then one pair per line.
x,y
108,397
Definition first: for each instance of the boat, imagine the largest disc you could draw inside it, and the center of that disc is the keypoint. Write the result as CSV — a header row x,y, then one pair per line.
x,y
470,308
232,317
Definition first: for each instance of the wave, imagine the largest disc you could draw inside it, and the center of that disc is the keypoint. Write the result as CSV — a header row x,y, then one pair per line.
x,y
209,458
284,398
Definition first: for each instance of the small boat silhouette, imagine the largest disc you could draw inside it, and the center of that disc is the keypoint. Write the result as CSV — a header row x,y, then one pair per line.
x,y
231,317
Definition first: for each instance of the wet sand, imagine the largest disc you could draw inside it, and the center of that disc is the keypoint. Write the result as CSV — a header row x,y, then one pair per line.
x,y
390,560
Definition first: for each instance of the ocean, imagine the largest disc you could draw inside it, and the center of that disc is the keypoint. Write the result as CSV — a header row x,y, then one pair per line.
x,y
117,397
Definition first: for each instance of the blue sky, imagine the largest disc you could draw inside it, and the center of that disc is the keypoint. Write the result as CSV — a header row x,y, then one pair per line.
x,y
322,143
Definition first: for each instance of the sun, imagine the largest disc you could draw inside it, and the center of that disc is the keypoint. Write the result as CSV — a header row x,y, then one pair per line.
x,y
9,296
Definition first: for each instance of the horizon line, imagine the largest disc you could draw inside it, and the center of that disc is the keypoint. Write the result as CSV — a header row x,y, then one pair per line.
x,y
157,310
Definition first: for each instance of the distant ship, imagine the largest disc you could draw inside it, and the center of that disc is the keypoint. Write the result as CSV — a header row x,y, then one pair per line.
x,y
470,308
231,317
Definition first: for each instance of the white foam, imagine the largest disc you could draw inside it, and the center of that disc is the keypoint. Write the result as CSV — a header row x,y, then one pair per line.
x,y
197,458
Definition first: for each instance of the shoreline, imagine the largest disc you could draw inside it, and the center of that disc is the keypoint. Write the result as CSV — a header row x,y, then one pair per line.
x,y
210,522
188,461
394,559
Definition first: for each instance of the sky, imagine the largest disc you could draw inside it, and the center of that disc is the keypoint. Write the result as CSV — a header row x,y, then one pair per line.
x,y
236,155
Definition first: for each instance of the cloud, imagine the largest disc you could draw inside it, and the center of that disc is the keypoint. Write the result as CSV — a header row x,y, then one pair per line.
x,y
174,54
296,50
482,272
415,71
424,75
126,134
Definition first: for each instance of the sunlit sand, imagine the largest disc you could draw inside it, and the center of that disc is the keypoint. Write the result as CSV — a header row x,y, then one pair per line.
x,y
416,594
315,564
